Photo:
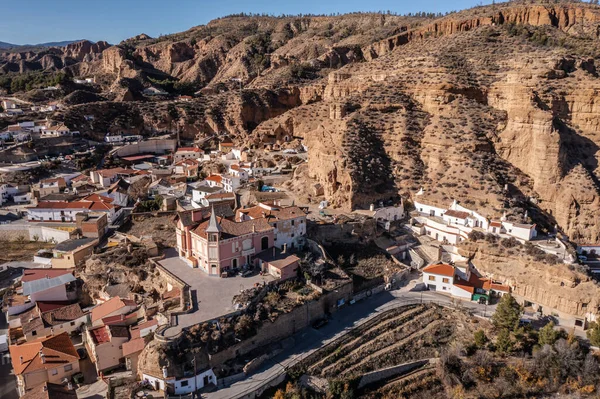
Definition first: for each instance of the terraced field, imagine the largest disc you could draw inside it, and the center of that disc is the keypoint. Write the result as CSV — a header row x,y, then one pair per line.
x,y
396,337
422,383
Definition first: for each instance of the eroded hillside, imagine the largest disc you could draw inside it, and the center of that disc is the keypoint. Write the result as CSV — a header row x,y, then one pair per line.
x,y
494,106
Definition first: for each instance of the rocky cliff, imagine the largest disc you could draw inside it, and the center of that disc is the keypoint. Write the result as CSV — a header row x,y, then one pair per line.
x,y
552,286
495,106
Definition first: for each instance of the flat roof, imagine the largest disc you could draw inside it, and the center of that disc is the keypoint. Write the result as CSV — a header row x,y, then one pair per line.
x,y
71,245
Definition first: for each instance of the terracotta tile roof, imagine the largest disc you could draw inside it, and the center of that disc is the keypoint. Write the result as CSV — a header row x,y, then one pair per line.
x,y
189,149
500,287
59,180
277,213
440,269
133,346
231,229
81,177
187,162
114,171
495,224
44,306
62,315
465,287
35,324
219,196
120,319
110,306
100,335
50,391
215,178
97,197
37,274
57,350
457,214
135,330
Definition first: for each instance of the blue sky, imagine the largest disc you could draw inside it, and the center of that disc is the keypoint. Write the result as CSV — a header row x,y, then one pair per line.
x,y
37,21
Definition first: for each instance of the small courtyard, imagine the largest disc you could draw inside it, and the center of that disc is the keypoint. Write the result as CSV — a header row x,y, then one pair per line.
x,y
211,296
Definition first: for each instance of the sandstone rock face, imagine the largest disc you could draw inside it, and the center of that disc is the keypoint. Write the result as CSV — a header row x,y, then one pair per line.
x,y
555,288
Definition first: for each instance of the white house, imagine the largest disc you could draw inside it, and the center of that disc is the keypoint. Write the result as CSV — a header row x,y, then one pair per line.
x,y
55,131
439,277
236,171
59,211
230,183
184,153
520,231
49,285
113,138
428,209
200,192
182,386
461,282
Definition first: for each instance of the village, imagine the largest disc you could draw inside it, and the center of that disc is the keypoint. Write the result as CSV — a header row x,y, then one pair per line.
x,y
201,243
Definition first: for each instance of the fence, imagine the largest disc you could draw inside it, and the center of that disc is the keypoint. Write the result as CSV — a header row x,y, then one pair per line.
x,y
295,361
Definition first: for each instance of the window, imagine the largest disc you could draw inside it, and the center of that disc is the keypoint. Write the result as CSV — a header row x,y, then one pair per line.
x,y
184,383
293,221
431,278
72,323
68,367
445,280
34,333
54,371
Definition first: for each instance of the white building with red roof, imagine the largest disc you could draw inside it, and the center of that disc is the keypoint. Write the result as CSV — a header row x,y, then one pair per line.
x,y
184,153
460,282
453,224
63,211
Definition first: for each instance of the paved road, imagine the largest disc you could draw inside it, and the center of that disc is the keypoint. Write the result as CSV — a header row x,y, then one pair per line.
x,y
8,382
309,339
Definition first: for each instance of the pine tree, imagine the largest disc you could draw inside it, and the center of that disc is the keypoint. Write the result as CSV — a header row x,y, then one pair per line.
x,y
504,343
508,313
480,338
593,334
548,335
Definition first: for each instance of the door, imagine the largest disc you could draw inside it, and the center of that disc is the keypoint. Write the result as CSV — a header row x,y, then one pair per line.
x,y
264,243
206,380
431,287
234,263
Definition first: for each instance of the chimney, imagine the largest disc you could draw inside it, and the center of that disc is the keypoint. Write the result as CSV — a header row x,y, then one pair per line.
x,y
47,276
45,388
273,251
70,386
43,357
284,248
21,359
